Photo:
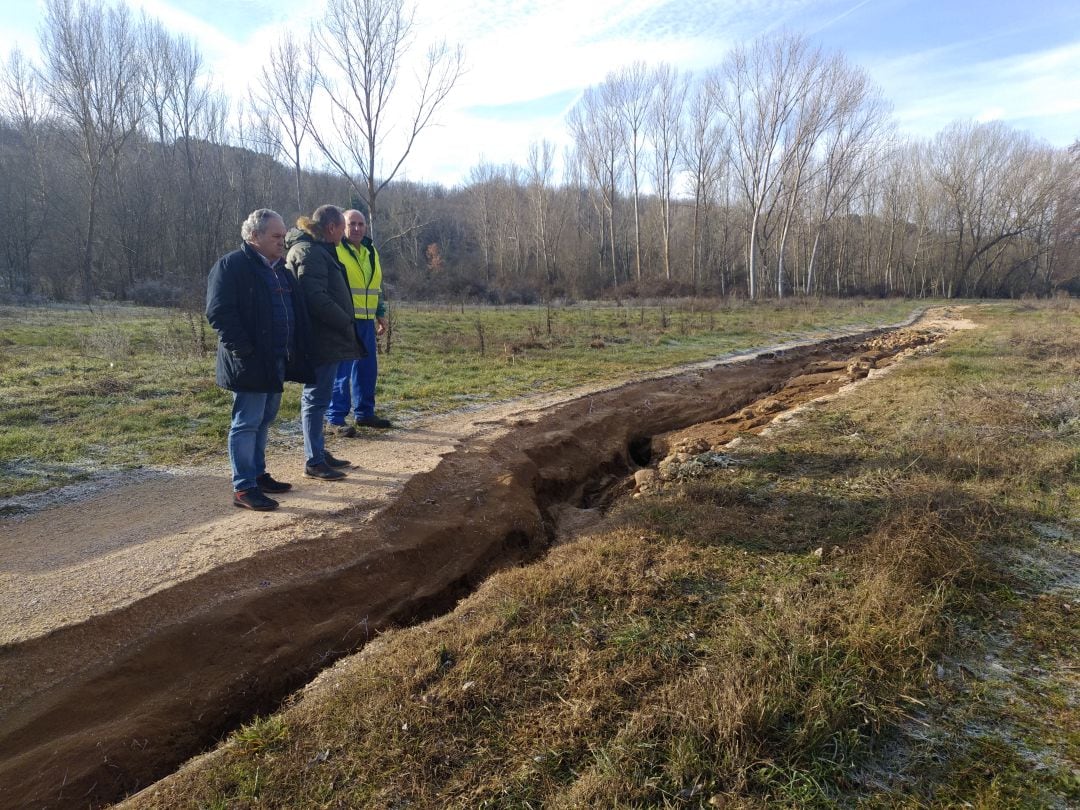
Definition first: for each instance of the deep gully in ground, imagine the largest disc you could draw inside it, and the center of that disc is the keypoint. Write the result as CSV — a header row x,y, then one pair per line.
x,y
146,693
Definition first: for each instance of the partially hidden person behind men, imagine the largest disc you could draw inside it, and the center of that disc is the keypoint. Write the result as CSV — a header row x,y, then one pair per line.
x,y
312,259
354,386
258,311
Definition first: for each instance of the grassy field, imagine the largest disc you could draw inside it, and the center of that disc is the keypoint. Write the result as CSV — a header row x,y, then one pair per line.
x,y
877,606
82,390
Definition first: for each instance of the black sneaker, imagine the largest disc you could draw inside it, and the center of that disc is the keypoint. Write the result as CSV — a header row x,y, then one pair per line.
x,y
253,499
267,483
343,431
335,462
374,422
323,472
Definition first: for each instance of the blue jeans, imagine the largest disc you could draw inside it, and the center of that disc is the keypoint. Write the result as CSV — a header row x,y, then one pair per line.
x,y
252,414
354,385
313,402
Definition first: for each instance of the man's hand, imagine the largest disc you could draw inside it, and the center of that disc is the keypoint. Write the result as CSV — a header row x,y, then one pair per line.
x,y
381,325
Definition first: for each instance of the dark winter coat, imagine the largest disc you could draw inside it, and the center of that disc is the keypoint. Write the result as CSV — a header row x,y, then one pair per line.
x,y
327,296
240,310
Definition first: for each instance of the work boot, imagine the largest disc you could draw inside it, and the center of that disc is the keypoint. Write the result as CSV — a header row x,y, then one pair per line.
x,y
323,471
254,499
267,483
374,422
335,462
343,431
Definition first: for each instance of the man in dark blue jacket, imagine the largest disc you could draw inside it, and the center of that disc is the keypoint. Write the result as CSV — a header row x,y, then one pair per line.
x,y
257,309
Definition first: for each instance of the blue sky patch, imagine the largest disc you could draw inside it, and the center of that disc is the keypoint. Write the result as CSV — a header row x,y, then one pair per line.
x,y
554,104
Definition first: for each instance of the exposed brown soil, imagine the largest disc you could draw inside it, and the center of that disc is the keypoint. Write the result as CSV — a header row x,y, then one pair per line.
x,y
139,625
819,379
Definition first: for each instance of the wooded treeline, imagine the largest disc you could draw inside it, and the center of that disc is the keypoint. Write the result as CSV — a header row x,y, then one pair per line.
x,y
125,171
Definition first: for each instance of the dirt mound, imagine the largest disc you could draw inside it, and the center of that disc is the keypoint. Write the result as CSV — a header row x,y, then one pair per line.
x,y
164,648
818,379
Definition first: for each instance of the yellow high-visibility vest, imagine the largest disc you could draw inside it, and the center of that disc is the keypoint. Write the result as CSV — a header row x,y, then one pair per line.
x,y
365,277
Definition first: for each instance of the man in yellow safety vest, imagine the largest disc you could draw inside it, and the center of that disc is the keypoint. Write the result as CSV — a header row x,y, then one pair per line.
x,y
354,386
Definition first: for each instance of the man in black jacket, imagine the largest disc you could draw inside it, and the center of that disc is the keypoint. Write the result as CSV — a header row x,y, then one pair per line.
x,y
257,309
313,261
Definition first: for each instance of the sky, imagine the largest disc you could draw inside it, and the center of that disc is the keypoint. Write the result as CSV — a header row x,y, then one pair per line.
x,y
528,61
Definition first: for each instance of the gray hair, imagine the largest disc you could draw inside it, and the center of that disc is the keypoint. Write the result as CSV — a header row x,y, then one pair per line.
x,y
257,222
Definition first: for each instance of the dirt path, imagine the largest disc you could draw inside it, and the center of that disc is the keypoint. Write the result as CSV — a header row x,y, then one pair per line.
x,y
140,623
62,565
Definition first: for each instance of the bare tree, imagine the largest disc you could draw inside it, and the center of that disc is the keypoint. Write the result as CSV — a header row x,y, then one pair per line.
x,y
497,209
1062,225
1035,186
594,126
189,117
586,217
541,158
665,131
974,166
907,163
758,92
702,161
483,212
161,80
23,202
285,97
630,91
91,73
800,137
851,144
367,42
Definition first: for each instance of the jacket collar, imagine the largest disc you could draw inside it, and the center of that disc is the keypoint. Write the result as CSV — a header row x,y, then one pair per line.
x,y
255,256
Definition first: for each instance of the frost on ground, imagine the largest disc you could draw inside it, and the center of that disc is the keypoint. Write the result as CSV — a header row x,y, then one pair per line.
x,y
96,481
1004,700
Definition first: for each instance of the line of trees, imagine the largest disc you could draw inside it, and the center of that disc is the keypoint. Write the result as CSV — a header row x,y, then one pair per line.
x,y
125,171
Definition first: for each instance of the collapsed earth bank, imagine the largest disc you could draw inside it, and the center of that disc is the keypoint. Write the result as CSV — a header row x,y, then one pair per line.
x,y
97,710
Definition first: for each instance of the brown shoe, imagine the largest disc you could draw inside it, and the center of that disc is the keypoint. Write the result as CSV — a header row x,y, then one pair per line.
x,y
342,431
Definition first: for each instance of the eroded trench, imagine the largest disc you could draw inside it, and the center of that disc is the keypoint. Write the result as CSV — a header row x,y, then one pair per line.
x,y
142,694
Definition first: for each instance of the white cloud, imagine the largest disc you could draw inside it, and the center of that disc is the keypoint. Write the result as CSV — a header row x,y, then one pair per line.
x,y
523,51
519,51
177,21
235,58
933,88
990,114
